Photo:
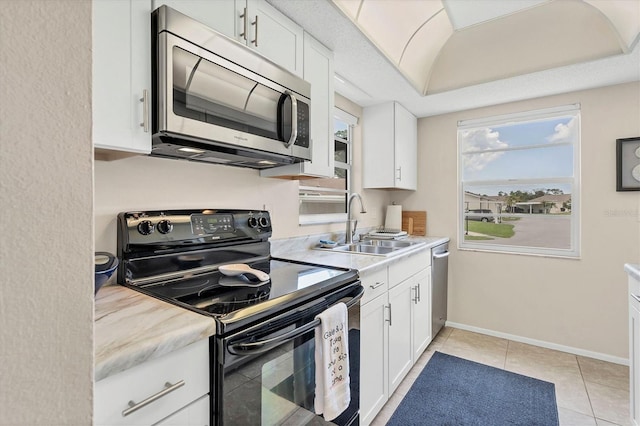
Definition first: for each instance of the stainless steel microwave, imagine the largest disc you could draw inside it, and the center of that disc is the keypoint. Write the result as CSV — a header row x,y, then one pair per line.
x,y
217,101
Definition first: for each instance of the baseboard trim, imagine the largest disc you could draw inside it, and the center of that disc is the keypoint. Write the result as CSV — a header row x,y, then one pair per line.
x,y
541,343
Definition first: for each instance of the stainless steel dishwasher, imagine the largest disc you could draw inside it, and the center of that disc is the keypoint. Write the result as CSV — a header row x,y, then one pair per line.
x,y
439,277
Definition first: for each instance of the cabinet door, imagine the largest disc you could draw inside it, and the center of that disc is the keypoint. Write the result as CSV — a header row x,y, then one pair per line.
x,y
373,360
194,414
219,15
421,313
406,148
378,146
122,75
400,348
634,362
272,34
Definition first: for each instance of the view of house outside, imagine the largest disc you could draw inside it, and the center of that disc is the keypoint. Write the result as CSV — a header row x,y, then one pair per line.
x,y
518,181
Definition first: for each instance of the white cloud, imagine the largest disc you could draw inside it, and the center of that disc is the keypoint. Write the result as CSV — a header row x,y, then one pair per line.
x,y
564,132
481,140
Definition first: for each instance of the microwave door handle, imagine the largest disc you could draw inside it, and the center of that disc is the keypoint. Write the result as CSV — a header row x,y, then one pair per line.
x,y
251,348
294,119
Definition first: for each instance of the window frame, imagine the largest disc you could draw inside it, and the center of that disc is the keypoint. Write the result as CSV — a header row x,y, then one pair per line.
x,y
322,218
574,181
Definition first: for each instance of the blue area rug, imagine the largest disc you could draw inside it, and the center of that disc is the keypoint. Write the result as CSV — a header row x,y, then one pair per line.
x,y
453,391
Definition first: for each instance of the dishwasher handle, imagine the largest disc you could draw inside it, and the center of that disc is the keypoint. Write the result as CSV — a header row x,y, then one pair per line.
x,y
246,347
441,255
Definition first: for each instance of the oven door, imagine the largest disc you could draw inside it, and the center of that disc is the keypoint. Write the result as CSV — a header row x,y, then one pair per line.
x,y
265,375
206,97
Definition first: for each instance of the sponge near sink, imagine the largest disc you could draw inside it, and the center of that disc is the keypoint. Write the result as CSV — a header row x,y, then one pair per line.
x,y
328,243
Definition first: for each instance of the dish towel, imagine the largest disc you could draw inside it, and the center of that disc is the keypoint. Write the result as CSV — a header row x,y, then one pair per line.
x,y
332,362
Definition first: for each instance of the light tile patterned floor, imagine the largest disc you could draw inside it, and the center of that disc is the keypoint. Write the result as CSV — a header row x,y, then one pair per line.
x,y
589,392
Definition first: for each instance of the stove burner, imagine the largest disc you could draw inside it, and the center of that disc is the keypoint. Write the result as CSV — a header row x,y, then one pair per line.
x,y
220,299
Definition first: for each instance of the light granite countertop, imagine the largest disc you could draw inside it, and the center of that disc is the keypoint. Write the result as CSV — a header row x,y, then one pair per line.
x,y
633,270
131,328
364,263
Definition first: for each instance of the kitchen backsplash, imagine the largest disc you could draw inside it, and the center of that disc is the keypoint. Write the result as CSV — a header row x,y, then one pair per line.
x,y
144,183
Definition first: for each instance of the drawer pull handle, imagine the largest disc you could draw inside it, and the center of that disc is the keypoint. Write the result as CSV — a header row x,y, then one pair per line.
x,y
133,407
376,285
635,297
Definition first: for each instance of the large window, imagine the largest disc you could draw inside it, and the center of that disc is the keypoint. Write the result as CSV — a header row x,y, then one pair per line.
x,y
519,182
324,200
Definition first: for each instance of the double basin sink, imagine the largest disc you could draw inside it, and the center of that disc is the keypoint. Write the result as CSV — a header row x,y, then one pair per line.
x,y
377,247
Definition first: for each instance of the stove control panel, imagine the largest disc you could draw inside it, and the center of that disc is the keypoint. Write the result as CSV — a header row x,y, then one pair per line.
x,y
180,227
215,223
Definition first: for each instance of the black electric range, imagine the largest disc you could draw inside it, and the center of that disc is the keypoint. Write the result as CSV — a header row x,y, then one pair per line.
x,y
174,255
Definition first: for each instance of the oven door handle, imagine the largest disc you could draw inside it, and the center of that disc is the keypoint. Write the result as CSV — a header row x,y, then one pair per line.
x,y
251,348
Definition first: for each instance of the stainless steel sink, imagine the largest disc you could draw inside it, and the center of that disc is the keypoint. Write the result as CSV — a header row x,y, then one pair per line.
x,y
364,248
390,243
376,247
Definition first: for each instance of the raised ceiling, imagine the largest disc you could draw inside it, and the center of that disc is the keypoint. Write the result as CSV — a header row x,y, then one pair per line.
x,y
495,51
441,45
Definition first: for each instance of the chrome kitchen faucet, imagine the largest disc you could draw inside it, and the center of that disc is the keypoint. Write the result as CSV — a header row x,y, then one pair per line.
x,y
352,224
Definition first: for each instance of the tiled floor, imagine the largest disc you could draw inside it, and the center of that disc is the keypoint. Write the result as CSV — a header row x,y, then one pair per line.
x,y
589,392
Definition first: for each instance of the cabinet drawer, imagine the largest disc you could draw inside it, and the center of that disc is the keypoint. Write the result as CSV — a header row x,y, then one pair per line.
x,y
375,284
189,365
408,266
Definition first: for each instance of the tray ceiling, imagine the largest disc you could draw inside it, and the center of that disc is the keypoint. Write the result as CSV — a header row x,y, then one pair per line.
x,y
439,56
441,45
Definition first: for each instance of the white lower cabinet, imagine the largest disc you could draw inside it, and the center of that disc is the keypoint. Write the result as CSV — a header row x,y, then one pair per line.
x,y
400,349
421,318
634,350
373,359
176,384
395,326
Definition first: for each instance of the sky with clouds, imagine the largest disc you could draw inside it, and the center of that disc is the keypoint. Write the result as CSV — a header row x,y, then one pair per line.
x,y
490,158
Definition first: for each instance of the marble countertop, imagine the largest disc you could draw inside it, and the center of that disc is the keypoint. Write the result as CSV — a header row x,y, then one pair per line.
x,y
633,270
364,263
131,328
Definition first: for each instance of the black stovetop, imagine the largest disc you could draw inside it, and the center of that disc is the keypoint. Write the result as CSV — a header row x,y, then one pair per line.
x,y
175,255
237,301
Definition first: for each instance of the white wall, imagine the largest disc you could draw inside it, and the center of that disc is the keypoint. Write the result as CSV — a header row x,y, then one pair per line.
x,y
142,183
576,303
46,248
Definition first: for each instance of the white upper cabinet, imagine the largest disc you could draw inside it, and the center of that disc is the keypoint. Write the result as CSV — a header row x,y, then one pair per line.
x,y
390,147
318,70
216,14
122,75
271,33
254,23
